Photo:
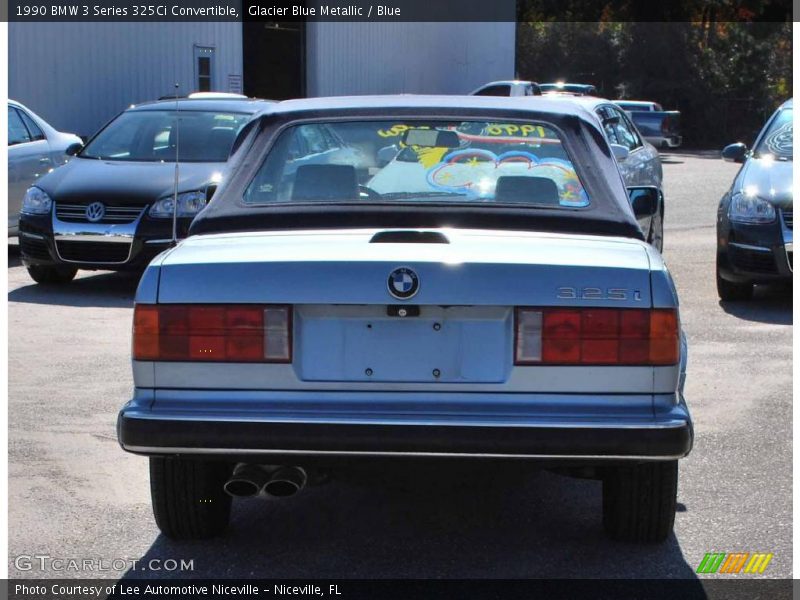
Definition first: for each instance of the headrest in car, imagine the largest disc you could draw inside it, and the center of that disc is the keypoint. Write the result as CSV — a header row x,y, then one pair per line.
x,y
325,182
531,190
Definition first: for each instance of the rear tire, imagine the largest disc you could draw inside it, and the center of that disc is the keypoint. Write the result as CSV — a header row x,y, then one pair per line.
x,y
52,274
188,500
639,501
731,291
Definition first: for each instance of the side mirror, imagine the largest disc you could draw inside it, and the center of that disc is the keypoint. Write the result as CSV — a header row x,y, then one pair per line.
x,y
210,189
735,152
73,149
644,201
619,152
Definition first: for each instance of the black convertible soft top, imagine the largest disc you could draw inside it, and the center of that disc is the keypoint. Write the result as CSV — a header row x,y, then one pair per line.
x,y
609,213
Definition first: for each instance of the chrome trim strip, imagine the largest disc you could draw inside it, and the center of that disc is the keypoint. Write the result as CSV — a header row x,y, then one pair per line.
x,y
98,231
158,241
34,236
91,237
344,420
239,380
244,451
749,247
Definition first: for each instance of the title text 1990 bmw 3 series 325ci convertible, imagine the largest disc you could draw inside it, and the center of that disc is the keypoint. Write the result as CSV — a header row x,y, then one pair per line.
x,y
472,283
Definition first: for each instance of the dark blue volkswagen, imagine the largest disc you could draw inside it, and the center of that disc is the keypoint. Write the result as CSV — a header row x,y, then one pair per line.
x,y
754,219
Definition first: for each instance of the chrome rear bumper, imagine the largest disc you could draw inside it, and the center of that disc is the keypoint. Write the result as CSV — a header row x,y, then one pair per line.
x,y
466,425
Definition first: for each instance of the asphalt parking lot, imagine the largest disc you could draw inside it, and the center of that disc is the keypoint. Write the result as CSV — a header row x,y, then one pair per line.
x,y
74,494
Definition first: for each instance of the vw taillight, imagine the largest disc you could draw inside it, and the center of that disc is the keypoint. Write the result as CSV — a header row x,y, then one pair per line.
x,y
596,336
212,332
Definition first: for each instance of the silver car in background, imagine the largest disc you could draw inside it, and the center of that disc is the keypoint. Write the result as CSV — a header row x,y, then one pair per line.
x,y
513,87
34,148
638,160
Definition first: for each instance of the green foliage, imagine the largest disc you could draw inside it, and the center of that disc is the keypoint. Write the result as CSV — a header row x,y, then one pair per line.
x,y
725,77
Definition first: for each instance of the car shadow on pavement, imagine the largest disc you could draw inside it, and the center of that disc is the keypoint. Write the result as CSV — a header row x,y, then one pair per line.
x,y
109,290
770,304
504,522
102,288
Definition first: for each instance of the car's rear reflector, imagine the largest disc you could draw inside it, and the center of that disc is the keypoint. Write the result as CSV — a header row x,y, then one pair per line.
x,y
212,333
596,336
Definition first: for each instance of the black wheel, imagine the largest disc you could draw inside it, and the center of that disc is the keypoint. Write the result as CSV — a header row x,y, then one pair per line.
x,y
188,500
655,236
639,501
52,274
732,291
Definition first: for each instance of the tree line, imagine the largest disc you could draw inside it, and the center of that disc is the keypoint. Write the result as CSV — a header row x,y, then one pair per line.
x,y
725,76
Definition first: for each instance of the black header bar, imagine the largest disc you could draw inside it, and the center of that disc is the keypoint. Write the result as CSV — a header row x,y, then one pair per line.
x,y
292,11
741,588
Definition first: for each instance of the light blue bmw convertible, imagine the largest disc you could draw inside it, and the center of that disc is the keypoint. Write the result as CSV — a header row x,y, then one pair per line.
x,y
411,277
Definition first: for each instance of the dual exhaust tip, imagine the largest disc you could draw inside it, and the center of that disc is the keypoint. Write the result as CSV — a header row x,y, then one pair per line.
x,y
249,481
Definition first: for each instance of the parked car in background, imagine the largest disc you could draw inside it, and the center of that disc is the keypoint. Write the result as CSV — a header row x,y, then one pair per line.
x,y
755,216
639,162
659,127
215,96
574,89
111,206
508,88
34,148
510,309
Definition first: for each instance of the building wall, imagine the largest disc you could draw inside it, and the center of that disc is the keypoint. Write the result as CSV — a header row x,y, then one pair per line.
x,y
386,58
77,76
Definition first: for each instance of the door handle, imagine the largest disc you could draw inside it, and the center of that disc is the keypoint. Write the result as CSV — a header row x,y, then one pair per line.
x,y
44,160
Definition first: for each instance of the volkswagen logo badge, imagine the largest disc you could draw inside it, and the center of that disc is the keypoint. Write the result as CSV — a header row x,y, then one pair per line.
x,y
403,283
95,212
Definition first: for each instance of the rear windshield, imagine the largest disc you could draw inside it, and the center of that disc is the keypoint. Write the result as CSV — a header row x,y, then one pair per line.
x,y
433,161
151,135
779,140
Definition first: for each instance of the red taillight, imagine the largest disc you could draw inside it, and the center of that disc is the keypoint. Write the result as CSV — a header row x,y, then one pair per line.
x,y
212,332
596,336
664,342
145,332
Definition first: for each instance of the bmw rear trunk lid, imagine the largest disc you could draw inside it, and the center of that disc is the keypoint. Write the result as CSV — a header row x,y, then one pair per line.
x,y
405,307
464,267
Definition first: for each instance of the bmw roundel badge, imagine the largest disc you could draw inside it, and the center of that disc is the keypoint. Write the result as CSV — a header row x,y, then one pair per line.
x,y
403,283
